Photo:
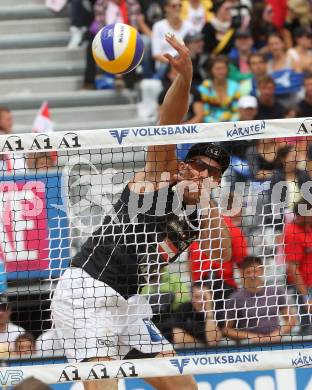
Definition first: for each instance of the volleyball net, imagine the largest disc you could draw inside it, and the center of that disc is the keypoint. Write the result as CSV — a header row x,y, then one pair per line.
x,y
106,252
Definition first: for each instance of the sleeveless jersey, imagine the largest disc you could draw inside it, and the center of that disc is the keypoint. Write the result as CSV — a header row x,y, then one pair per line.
x,y
129,248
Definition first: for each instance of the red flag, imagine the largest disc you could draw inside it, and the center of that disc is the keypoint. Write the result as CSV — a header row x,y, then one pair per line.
x,y
43,124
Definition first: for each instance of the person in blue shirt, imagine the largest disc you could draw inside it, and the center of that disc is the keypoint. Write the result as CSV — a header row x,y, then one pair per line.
x,y
219,93
258,67
239,56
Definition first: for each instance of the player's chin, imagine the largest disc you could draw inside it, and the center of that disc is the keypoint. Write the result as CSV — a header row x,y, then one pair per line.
x,y
191,198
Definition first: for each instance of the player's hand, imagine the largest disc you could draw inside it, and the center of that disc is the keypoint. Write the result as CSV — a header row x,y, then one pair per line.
x,y
182,63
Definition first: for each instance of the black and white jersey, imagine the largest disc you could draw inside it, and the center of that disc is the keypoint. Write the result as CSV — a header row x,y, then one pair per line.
x,y
145,232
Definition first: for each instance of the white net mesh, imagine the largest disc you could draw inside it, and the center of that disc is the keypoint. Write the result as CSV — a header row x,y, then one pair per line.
x,y
111,248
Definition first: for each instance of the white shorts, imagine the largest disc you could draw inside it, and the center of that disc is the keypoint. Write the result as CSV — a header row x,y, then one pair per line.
x,y
96,321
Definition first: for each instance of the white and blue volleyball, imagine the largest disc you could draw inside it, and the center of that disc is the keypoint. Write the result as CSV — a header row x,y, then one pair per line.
x,y
118,48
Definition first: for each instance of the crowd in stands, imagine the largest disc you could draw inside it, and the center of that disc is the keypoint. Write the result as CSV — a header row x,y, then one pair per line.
x,y
252,61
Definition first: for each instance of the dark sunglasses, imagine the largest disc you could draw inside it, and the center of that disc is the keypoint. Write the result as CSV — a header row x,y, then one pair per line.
x,y
200,166
176,6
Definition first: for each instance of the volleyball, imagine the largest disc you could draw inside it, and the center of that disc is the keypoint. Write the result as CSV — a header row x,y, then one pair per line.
x,y
118,48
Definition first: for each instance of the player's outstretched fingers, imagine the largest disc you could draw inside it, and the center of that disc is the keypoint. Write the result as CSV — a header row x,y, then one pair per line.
x,y
182,63
175,43
169,58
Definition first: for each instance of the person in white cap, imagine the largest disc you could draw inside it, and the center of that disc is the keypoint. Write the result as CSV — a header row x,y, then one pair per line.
x,y
247,108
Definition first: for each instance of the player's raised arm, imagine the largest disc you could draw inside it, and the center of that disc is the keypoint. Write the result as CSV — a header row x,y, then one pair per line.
x,y
163,158
176,102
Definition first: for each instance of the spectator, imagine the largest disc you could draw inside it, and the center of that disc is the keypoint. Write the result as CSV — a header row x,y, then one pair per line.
x,y
6,121
247,111
201,266
114,11
218,31
165,296
32,384
279,12
221,273
289,180
268,107
151,12
195,321
81,15
239,55
25,344
169,283
288,172
8,331
40,161
247,108
262,24
258,67
298,255
285,70
253,311
262,158
299,13
304,108
172,23
302,51
194,42
197,12
109,12
219,94
241,13
8,164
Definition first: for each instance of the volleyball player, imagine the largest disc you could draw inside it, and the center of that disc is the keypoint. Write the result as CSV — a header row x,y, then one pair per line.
x,y
96,307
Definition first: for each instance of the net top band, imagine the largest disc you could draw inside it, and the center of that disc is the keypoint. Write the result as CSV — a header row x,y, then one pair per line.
x,y
155,135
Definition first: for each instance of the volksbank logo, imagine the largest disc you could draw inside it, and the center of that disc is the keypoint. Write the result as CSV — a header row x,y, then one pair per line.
x,y
10,377
214,360
121,134
180,364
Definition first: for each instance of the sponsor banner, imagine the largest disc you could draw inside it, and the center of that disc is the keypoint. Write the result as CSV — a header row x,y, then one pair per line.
x,y
144,368
155,135
34,232
243,130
